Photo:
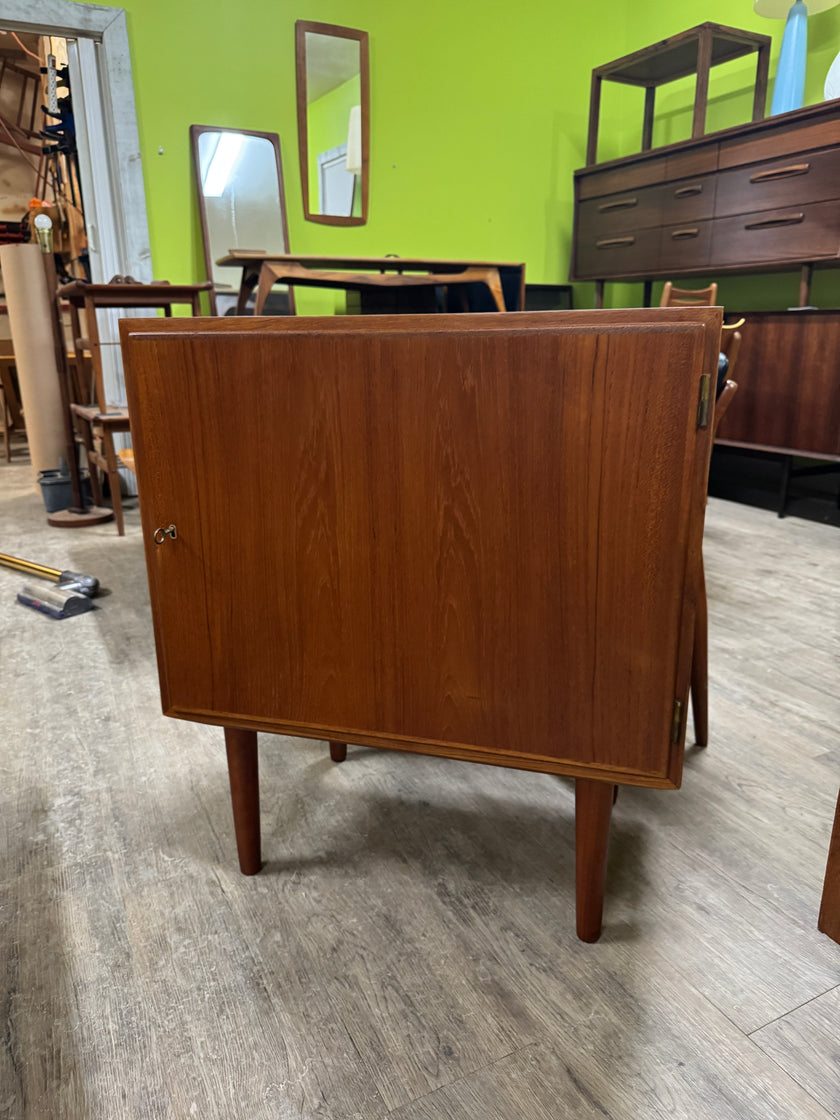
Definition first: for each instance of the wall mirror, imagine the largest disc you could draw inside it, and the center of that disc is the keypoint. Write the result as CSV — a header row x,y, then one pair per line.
x,y
239,178
333,109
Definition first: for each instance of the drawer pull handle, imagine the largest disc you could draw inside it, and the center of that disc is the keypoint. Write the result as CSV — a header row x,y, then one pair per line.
x,y
769,223
781,173
615,242
160,535
685,192
621,204
684,234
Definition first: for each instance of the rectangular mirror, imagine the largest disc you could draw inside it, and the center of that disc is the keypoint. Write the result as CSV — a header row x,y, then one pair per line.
x,y
333,107
242,204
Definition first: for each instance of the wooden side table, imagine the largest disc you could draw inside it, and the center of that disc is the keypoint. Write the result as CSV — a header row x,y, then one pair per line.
x,y
690,52
94,420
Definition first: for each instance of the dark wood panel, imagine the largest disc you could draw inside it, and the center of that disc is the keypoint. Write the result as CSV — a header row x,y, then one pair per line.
x,y
813,177
428,535
788,378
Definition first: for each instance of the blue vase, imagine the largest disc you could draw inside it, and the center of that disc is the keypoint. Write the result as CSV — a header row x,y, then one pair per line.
x,y
789,90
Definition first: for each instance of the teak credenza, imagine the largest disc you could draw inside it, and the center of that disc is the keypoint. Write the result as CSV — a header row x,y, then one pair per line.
x,y
764,196
472,536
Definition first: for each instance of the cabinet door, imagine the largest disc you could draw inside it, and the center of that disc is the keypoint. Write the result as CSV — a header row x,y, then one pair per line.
x,y
474,541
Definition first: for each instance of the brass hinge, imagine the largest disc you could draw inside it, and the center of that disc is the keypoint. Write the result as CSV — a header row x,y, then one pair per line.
x,y
703,405
676,723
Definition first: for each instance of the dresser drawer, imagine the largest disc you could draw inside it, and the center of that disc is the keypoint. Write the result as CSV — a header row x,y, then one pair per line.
x,y
631,210
613,180
624,254
795,233
687,200
685,246
792,181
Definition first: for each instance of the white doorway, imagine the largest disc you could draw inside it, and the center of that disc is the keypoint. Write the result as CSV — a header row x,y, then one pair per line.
x,y
108,149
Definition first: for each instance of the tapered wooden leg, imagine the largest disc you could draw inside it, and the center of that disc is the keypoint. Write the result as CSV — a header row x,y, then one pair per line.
x,y
113,480
700,665
593,809
338,751
243,770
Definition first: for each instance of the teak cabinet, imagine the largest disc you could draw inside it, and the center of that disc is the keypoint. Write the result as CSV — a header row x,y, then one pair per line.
x,y
763,196
473,536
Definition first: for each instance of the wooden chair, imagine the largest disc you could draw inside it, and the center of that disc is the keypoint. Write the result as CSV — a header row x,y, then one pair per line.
x,y
95,421
730,344
11,417
688,297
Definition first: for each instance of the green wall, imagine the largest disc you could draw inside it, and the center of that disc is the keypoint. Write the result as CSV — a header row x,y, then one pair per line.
x,y
478,118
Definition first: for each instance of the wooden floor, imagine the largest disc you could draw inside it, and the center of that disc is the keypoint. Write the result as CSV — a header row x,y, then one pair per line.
x,y
409,950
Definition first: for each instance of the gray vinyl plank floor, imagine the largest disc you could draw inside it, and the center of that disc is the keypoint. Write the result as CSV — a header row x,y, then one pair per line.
x,y
409,950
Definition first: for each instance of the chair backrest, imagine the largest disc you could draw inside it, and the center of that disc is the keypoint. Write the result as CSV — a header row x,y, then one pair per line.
x,y
688,297
723,402
730,344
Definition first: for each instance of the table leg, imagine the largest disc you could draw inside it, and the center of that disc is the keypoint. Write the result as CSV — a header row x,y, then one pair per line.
x,y
243,771
338,751
593,810
246,286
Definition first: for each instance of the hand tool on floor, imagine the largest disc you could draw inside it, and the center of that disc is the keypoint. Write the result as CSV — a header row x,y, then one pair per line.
x,y
67,581
54,601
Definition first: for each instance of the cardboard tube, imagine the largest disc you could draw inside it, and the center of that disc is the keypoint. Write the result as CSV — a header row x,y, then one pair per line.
x,y
28,301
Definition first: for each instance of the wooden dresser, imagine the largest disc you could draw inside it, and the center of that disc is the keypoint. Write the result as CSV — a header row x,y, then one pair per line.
x,y
763,196
471,536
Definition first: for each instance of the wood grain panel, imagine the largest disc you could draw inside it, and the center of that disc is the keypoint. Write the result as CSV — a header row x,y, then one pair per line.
x,y
461,542
788,383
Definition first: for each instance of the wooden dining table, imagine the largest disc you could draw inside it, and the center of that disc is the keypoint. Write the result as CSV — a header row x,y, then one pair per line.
x,y
390,284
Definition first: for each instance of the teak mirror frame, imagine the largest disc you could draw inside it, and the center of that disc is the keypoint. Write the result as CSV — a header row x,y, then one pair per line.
x,y
196,132
302,27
